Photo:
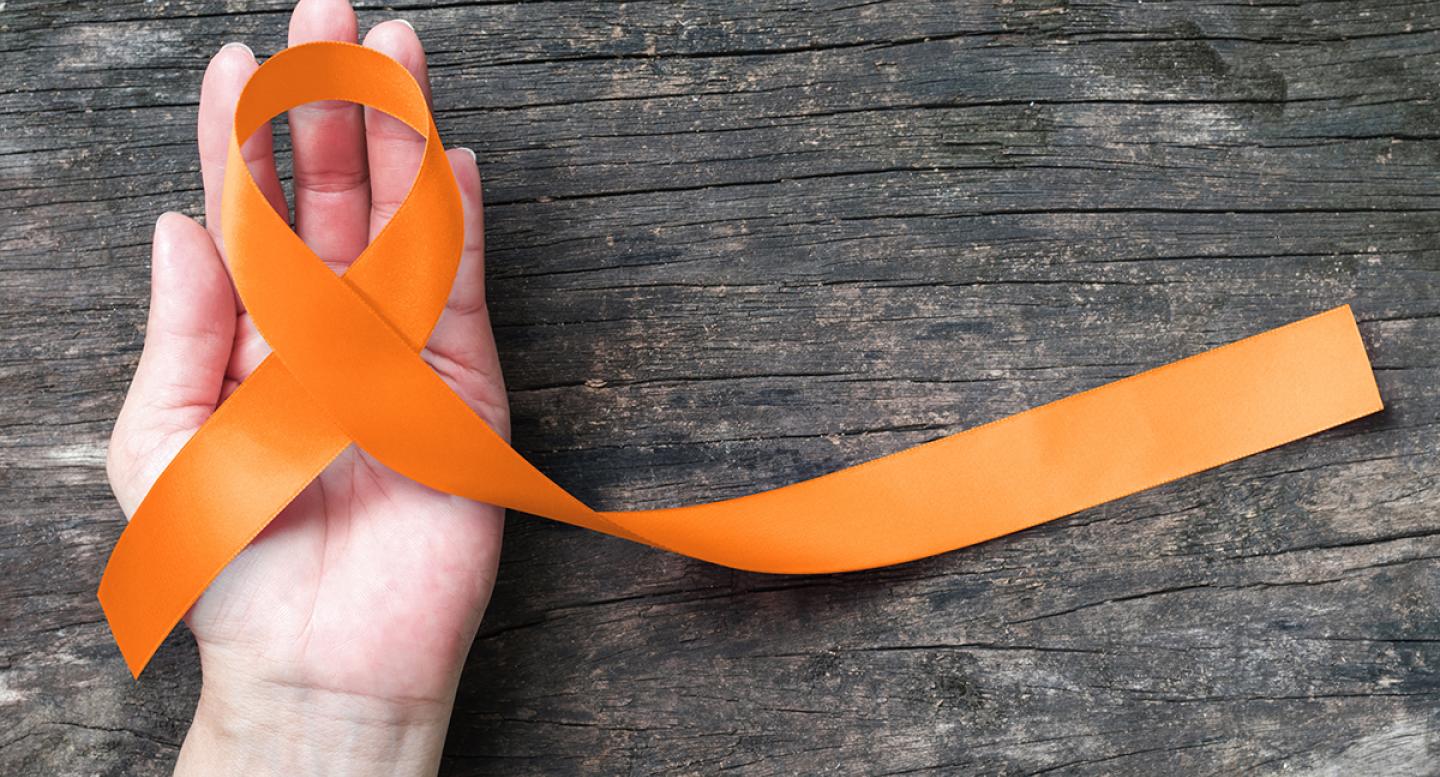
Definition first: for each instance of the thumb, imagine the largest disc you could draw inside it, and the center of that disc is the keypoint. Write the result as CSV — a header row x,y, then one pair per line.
x,y
188,337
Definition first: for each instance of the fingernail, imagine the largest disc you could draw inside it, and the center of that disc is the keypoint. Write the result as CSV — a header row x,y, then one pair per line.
x,y
235,44
160,253
469,151
406,23
160,220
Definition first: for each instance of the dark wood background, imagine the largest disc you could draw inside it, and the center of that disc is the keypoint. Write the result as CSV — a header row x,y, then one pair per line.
x,y
736,244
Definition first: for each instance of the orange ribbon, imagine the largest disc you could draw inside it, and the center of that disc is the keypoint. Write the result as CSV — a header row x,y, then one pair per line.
x,y
346,369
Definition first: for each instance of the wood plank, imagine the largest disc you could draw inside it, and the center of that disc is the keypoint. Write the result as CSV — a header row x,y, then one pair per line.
x,y
737,244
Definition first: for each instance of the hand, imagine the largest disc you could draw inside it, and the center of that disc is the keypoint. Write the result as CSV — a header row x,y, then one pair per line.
x,y
334,641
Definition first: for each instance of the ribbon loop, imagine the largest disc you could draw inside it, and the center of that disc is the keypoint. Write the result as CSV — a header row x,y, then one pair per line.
x,y
346,368
406,272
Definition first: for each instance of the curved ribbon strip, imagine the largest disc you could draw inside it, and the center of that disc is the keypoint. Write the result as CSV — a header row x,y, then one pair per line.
x,y
346,368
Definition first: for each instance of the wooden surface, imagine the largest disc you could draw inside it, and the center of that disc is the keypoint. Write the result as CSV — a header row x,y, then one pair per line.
x,y
735,244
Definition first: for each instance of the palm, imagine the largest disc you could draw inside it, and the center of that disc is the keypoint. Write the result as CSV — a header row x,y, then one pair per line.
x,y
361,540
367,583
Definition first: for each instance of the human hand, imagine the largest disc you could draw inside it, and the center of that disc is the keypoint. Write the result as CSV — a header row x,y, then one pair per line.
x,y
334,641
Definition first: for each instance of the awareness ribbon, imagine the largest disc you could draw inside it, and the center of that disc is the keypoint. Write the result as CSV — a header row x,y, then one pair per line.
x,y
346,369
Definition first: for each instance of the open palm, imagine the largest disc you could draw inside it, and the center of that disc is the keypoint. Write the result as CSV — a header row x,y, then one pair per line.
x,y
368,584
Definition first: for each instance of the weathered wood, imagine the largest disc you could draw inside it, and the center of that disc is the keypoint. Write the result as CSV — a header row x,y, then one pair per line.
x,y
734,244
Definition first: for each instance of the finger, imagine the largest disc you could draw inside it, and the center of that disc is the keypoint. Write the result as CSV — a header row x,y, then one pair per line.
x,y
393,149
467,293
224,78
187,344
462,347
249,350
332,182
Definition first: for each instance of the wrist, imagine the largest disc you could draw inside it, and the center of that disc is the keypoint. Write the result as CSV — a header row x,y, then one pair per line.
x,y
248,725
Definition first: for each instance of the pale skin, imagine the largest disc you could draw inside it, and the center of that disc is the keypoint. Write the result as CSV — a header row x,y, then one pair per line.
x,y
333,644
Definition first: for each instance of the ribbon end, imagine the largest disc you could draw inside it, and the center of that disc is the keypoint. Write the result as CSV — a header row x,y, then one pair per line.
x,y
136,648
1373,402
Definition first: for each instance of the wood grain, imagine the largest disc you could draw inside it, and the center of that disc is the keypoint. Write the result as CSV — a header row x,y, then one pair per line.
x,y
735,244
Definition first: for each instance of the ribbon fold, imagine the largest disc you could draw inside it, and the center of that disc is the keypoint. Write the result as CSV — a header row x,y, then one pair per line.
x,y
346,369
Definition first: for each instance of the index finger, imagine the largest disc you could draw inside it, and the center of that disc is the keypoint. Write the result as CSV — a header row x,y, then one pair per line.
x,y
225,77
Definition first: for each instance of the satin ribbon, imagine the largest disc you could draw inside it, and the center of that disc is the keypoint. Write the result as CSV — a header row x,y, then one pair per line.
x,y
346,369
